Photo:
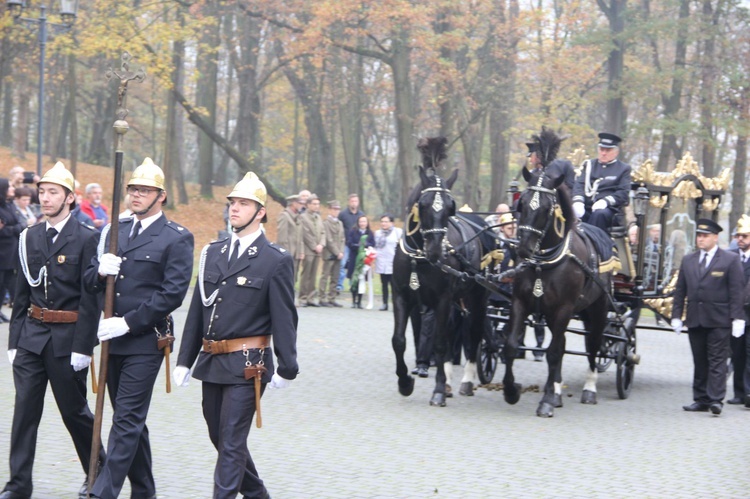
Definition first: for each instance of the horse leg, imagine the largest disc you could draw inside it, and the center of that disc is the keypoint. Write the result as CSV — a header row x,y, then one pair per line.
x,y
595,320
477,316
401,308
442,312
552,397
512,390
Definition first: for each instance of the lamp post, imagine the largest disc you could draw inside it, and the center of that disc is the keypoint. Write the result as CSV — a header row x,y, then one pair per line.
x,y
68,11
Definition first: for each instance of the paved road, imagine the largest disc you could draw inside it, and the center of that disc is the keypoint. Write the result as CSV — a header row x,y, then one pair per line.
x,y
342,430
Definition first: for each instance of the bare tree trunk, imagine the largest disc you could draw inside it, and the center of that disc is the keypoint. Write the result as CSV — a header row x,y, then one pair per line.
x,y
739,183
22,127
708,79
248,120
615,118
350,118
207,64
6,89
404,102
172,149
73,135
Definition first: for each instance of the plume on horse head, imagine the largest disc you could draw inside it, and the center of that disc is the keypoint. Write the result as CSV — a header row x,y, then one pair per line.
x,y
433,151
548,145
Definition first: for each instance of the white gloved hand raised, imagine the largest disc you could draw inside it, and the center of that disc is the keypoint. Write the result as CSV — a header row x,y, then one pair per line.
x,y
579,209
79,361
599,205
181,375
12,355
112,328
109,264
279,382
738,328
676,325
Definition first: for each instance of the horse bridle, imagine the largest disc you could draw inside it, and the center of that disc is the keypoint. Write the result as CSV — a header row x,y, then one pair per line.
x,y
534,205
437,205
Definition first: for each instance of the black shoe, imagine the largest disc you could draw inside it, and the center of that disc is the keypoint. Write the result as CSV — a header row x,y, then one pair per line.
x,y
415,370
83,492
696,407
716,408
422,371
312,304
334,303
736,401
9,494
359,305
747,401
324,304
384,307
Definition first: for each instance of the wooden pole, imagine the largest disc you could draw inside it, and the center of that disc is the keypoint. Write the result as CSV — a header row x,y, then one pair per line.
x,y
121,128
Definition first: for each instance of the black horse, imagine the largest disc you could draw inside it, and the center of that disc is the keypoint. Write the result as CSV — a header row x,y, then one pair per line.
x,y
435,240
554,278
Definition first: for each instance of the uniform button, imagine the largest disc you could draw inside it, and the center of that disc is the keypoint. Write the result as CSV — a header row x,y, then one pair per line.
x,y
223,283
118,294
219,300
216,316
124,258
122,277
148,256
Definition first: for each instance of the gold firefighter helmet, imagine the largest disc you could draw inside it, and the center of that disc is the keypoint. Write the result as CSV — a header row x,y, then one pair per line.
x,y
250,187
59,175
148,174
743,225
465,209
505,219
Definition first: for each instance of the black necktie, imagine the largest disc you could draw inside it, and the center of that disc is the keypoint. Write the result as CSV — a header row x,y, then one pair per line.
x,y
51,233
235,252
704,262
136,230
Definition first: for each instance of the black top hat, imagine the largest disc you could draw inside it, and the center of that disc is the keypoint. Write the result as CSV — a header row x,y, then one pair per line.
x,y
708,226
532,146
608,140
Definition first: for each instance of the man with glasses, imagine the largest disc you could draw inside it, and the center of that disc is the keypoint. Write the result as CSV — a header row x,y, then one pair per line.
x,y
153,265
602,189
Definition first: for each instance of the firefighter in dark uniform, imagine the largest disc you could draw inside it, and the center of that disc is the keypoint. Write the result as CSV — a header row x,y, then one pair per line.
x,y
601,190
153,265
739,342
244,297
711,279
52,330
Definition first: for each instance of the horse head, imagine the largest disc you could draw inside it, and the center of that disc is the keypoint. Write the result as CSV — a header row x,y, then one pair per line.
x,y
435,206
544,213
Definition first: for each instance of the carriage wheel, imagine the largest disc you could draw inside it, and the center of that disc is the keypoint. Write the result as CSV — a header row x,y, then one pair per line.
x,y
625,367
607,352
486,362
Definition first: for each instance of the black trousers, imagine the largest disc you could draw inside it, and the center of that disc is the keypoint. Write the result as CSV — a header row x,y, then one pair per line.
x,y
31,372
228,411
600,218
710,347
130,381
739,363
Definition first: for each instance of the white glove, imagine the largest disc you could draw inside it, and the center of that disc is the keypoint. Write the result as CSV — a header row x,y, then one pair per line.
x,y
579,209
181,375
112,328
109,264
738,328
677,325
12,355
79,361
279,382
599,205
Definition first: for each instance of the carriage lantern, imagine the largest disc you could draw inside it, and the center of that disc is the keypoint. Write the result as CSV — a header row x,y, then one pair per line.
x,y
640,203
513,193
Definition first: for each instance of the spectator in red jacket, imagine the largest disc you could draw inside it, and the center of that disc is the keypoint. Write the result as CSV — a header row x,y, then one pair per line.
x,y
93,207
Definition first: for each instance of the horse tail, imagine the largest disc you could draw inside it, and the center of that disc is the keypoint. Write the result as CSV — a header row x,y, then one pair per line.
x,y
548,145
433,151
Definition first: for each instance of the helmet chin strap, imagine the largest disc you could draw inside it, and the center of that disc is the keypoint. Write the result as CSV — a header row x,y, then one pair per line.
x,y
143,212
237,230
62,206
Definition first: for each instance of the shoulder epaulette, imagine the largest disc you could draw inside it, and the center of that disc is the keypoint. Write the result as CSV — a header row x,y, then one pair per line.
x,y
277,248
176,227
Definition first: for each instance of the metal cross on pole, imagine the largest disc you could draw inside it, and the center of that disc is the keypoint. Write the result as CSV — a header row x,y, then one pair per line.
x,y
121,128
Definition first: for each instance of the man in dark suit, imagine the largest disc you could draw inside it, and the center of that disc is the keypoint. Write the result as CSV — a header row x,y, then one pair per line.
x,y
741,376
52,331
711,280
602,189
154,263
243,298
